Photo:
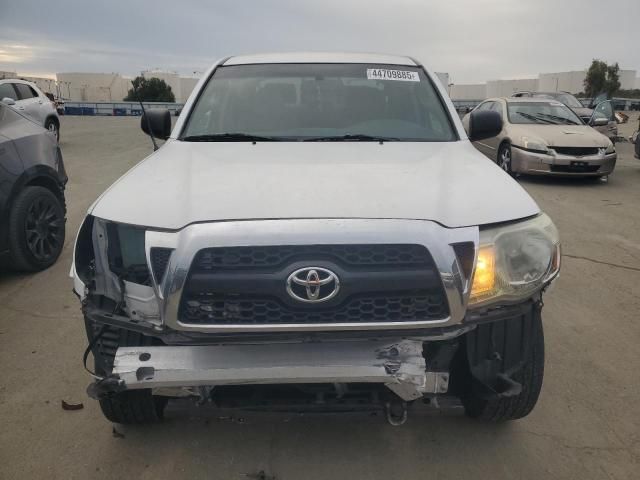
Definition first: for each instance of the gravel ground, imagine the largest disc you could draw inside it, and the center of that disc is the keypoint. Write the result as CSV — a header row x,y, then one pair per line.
x,y
586,424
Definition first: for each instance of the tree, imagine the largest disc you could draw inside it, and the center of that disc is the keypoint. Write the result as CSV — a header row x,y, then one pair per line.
x,y
602,78
150,90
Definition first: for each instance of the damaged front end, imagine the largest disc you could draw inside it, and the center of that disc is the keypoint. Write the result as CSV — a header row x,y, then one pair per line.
x,y
111,275
131,283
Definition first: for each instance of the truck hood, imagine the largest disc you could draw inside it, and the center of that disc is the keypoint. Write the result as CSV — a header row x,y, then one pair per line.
x,y
186,182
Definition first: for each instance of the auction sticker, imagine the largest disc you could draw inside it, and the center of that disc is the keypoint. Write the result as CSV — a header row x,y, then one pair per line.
x,y
386,74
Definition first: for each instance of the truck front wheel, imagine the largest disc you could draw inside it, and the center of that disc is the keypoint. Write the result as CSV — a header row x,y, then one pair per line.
x,y
131,406
492,407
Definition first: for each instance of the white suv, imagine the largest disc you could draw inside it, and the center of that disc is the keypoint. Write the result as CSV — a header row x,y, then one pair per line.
x,y
29,100
316,232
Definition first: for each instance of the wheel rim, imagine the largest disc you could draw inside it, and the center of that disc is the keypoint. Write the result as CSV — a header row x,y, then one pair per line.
x,y
43,229
505,160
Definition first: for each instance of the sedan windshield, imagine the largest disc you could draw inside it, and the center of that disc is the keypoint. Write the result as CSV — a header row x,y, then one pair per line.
x,y
551,113
569,100
319,102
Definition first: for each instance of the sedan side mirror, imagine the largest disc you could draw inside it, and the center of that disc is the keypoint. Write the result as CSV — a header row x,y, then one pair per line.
x,y
8,101
598,122
484,124
156,122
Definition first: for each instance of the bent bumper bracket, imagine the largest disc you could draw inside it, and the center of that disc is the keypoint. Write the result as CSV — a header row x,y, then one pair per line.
x,y
398,365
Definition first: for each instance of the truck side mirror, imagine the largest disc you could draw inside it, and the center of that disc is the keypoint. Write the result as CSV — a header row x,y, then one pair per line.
x,y
484,124
156,122
8,101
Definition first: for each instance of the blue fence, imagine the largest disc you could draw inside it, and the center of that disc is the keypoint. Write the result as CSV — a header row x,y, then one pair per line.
x,y
119,109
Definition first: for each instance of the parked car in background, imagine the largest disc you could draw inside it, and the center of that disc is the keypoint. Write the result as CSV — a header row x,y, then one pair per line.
x,y
544,136
635,139
58,104
32,203
588,115
28,99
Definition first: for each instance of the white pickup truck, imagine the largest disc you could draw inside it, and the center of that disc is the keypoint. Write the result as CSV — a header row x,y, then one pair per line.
x,y
317,232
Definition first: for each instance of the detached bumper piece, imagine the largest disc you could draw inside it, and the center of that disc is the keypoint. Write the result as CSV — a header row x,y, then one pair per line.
x,y
400,366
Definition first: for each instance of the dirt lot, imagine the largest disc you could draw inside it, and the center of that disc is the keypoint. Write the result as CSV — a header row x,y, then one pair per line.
x,y
586,424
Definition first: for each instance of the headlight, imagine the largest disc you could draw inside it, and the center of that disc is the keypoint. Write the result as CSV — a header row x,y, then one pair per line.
x,y
611,148
534,145
514,261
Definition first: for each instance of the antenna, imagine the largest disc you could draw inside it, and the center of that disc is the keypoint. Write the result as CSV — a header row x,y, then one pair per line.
x,y
153,140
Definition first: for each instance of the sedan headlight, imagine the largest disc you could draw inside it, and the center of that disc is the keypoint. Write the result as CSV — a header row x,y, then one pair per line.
x,y
611,148
514,261
534,145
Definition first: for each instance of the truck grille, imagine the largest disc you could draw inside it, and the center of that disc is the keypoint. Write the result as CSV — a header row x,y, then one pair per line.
x,y
159,261
206,309
278,255
247,285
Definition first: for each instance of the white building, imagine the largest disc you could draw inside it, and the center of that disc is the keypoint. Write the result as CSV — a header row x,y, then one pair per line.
x,y
93,87
187,84
506,88
476,91
47,85
180,86
573,82
112,87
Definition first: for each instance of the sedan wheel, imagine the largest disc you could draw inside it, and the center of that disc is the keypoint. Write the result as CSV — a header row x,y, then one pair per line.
x,y
52,126
36,229
504,159
43,228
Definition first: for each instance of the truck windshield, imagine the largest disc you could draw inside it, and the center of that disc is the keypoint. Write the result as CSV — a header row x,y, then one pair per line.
x,y
321,102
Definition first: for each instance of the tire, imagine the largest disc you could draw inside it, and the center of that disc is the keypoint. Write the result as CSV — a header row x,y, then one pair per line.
x,y
501,409
504,158
132,407
36,229
53,126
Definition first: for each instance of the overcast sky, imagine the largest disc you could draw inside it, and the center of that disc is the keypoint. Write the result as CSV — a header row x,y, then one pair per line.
x,y
472,40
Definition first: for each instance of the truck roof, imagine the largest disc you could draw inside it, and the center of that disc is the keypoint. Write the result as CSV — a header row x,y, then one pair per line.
x,y
320,57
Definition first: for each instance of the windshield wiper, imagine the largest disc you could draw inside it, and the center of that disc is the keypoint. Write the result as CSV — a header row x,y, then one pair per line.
x,y
536,118
230,137
357,137
561,119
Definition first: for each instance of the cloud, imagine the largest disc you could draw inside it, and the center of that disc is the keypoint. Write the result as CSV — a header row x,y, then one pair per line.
x,y
472,40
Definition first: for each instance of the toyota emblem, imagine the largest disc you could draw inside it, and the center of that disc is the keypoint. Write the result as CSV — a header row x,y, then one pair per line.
x,y
313,284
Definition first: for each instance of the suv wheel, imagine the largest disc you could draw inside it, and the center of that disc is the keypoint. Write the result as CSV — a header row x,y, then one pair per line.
x,y
132,406
500,409
36,229
52,125
504,158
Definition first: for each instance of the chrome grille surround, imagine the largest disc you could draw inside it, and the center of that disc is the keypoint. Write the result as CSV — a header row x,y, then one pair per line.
x,y
190,240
